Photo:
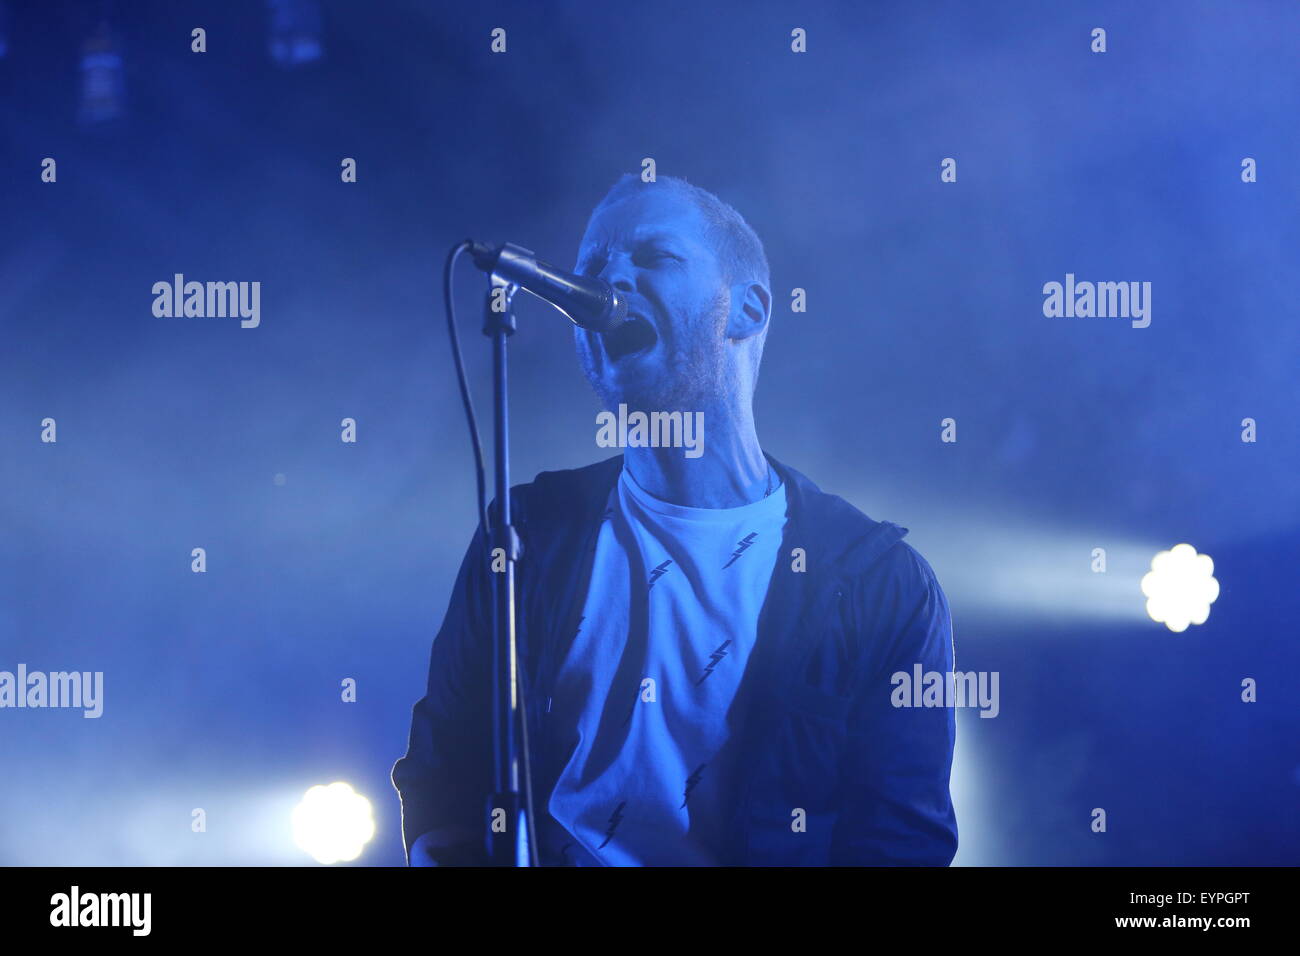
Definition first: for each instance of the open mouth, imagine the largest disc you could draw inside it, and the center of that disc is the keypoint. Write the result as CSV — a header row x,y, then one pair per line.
x,y
633,336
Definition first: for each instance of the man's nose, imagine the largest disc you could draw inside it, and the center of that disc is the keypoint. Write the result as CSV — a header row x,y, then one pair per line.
x,y
619,273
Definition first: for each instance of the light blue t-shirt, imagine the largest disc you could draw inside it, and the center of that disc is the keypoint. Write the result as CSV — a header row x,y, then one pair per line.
x,y
651,677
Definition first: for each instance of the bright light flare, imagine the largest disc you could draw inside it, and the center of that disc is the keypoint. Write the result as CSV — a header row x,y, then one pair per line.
x,y
333,824
1180,587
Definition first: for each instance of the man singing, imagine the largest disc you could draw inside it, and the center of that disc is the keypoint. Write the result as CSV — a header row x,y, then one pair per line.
x,y
706,642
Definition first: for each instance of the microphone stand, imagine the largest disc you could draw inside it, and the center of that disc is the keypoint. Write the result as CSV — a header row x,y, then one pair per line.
x,y
504,844
510,840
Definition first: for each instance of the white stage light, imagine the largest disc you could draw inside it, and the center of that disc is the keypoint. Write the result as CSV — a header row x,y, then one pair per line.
x,y
333,824
1180,587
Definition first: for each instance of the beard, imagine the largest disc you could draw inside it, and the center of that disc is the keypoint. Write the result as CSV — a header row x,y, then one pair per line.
x,y
694,373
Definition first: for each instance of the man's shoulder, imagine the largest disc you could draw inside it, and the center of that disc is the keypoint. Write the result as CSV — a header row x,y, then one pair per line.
x,y
846,536
566,493
575,479
905,576
568,481
862,546
894,596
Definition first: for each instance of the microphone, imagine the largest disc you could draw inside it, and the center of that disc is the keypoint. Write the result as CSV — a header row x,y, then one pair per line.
x,y
590,303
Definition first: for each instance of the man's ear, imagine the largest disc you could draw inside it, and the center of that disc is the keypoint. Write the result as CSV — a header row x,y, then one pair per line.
x,y
751,305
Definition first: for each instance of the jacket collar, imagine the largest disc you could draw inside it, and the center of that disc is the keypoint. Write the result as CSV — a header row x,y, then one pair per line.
x,y
836,533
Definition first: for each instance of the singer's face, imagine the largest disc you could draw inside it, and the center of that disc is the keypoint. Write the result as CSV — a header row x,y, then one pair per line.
x,y
671,354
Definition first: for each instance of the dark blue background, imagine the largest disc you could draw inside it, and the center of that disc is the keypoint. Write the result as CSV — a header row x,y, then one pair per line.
x,y
924,301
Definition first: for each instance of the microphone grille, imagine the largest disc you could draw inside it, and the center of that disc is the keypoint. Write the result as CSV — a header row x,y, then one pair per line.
x,y
617,309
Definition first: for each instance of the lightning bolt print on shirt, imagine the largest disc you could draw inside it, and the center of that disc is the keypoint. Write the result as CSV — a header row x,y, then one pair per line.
x,y
674,598
657,573
716,656
741,547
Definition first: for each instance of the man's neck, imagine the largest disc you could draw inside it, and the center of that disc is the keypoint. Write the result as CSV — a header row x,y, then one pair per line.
x,y
731,472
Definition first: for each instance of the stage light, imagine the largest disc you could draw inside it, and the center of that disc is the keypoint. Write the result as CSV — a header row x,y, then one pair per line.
x,y
333,824
1180,587
295,31
103,79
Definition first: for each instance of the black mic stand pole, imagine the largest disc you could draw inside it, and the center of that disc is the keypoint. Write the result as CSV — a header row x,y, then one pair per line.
x,y
505,818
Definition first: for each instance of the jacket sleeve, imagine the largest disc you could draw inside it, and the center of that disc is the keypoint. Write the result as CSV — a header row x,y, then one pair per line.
x,y
445,777
896,808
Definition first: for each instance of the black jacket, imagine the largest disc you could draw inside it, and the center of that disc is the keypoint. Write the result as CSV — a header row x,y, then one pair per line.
x,y
823,746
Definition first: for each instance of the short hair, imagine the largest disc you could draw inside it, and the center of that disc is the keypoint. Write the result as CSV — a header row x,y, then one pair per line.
x,y
737,246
